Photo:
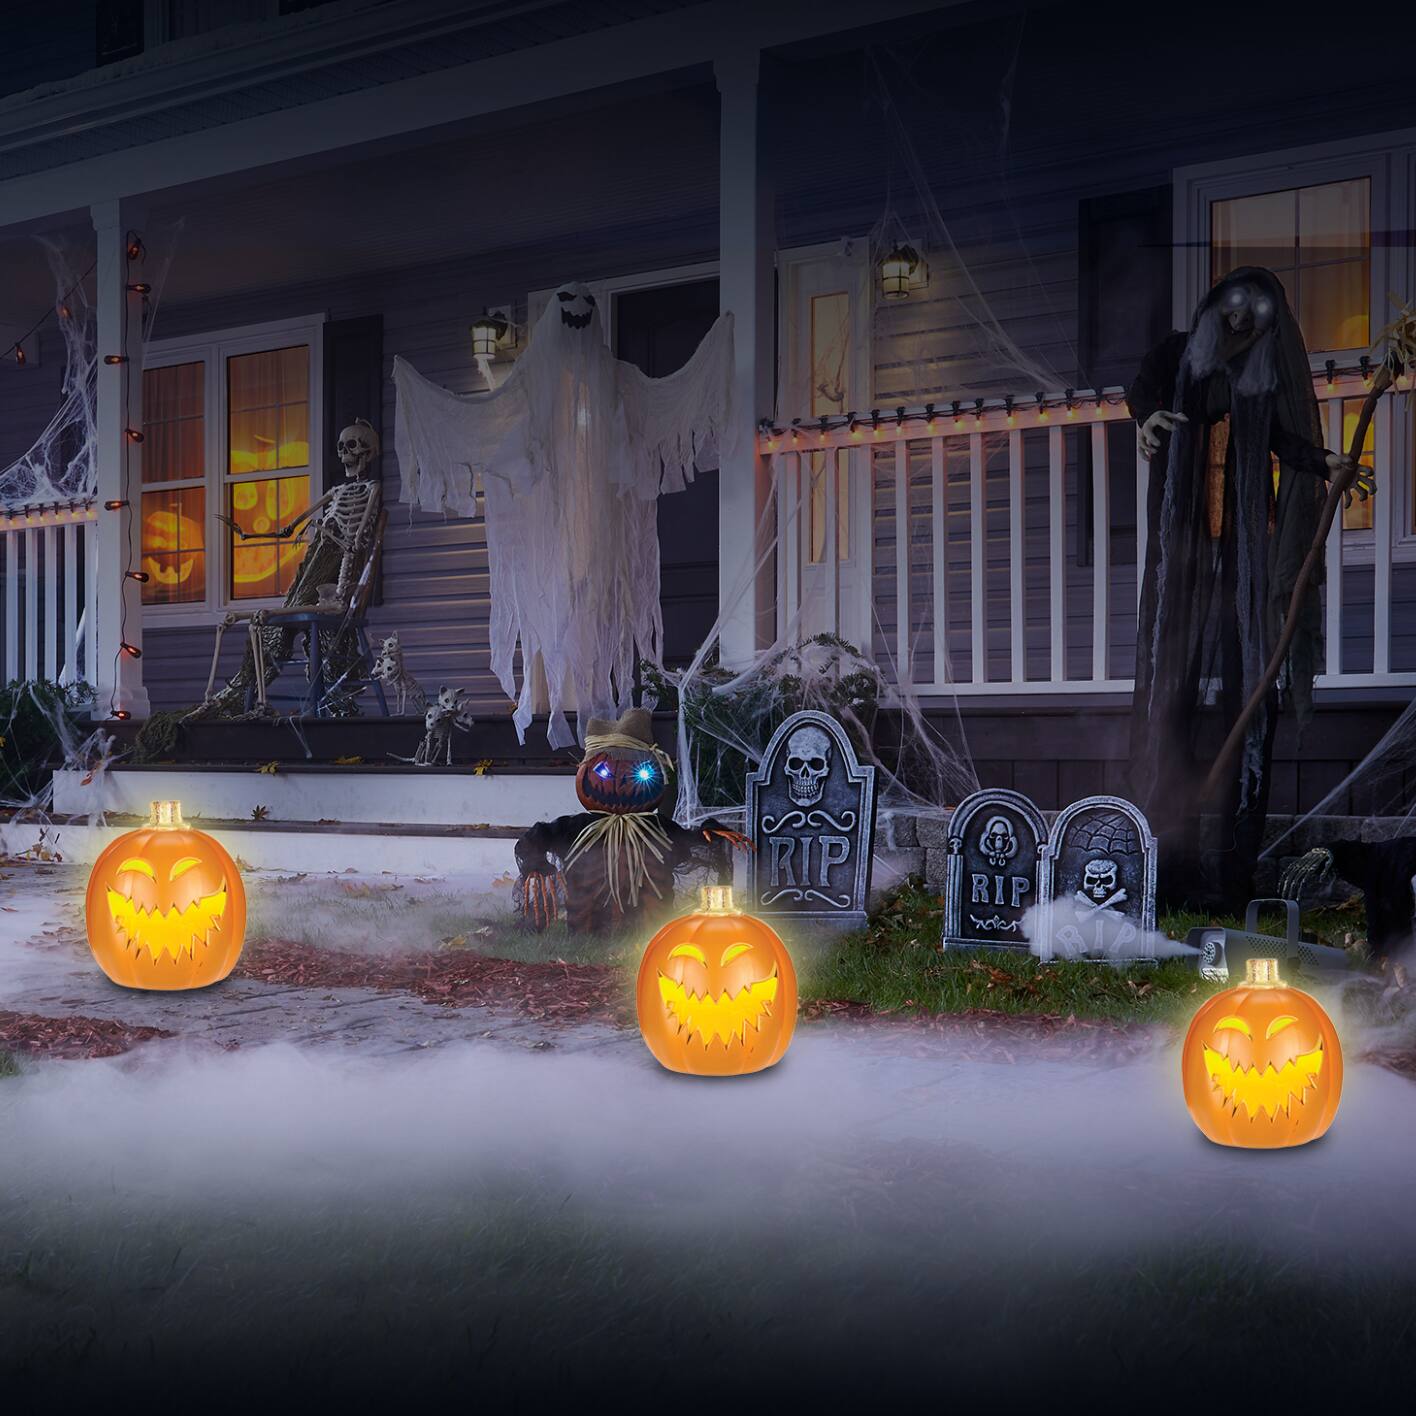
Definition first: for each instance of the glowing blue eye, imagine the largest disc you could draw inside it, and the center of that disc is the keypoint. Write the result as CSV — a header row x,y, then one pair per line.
x,y
603,771
645,773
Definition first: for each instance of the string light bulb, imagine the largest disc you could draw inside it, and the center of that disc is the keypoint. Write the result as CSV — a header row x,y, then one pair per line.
x,y
141,576
115,358
131,650
121,714
20,357
117,504
134,434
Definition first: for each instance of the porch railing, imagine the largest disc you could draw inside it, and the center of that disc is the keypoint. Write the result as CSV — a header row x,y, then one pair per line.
x,y
47,569
1006,543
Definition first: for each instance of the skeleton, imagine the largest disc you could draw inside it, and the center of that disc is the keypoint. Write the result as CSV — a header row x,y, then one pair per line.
x,y
449,711
808,764
999,843
1099,887
391,671
339,529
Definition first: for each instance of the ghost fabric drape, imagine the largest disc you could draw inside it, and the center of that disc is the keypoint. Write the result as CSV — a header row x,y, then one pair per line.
x,y
1211,610
572,453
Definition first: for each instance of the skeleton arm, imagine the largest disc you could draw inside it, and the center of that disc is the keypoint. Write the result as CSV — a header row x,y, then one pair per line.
x,y
284,532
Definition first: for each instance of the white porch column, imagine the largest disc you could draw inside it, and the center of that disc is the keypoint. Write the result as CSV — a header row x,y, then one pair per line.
x,y
115,600
745,284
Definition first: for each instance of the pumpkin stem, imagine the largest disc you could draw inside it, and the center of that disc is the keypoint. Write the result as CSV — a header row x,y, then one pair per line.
x,y
717,900
1262,973
166,813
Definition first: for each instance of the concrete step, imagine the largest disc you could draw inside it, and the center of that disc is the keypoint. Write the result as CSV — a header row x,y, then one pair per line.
x,y
348,796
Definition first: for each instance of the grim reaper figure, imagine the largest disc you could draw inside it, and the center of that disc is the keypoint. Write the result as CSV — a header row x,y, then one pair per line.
x,y
1212,606
573,451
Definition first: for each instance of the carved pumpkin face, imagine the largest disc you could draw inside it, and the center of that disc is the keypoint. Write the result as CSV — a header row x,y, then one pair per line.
x,y
1262,1064
717,992
620,782
165,907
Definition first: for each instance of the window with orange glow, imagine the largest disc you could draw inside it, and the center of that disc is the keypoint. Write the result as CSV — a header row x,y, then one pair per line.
x,y
173,532
174,423
268,410
1318,241
260,506
174,546
1358,516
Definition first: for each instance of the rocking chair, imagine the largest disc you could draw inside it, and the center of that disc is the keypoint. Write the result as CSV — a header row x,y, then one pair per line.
x,y
323,625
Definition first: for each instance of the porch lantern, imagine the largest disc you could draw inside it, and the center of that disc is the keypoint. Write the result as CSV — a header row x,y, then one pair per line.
x,y
899,272
488,331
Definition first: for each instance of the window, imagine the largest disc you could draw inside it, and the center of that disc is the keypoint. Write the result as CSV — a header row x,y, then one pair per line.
x,y
228,432
1318,241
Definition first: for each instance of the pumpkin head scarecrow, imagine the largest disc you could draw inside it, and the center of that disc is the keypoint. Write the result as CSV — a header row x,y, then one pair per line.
x,y
165,907
615,861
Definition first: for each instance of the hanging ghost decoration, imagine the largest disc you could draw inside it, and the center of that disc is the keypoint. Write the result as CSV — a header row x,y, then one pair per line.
x,y
573,451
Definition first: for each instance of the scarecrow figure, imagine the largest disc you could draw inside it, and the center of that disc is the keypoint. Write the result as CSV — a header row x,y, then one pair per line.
x,y
1212,609
616,860
573,451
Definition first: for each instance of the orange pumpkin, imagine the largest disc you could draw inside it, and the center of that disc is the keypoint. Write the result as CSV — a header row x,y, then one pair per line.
x,y
717,993
165,907
1262,1065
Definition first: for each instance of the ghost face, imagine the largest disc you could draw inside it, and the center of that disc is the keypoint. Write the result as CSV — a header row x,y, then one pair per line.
x,y
577,306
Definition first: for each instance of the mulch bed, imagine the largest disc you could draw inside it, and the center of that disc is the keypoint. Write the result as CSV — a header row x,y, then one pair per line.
x,y
549,993
33,1034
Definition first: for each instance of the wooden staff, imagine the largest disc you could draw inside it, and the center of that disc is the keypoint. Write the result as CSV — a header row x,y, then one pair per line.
x,y
1339,486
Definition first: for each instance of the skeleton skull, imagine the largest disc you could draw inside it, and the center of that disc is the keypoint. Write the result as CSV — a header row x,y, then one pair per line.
x,y
358,446
1099,879
999,842
808,762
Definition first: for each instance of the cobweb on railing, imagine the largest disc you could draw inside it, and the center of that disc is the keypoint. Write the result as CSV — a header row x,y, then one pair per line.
x,y
59,466
727,717
43,727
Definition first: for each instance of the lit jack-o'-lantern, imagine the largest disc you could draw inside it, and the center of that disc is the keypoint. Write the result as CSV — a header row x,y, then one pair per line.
x,y
1262,1065
717,993
260,508
166,531
165,907
617,780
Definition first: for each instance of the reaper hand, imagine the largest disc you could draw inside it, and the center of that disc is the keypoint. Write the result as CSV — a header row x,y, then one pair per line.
x,y
1365,485
733,838
1159,422
535,897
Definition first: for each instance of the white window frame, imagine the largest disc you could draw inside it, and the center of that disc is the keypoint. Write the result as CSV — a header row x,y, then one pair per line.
x,y
213,350
1388,161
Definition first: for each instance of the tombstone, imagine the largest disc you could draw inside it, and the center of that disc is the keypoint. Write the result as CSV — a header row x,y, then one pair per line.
x,y
1098,882
995,846
811,815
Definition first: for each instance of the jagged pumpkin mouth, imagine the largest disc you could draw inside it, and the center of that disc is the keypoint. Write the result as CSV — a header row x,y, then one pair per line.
x,y
724,1017
173,932
1264,1089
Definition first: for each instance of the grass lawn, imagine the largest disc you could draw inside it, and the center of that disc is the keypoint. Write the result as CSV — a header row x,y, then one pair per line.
x,y
896,965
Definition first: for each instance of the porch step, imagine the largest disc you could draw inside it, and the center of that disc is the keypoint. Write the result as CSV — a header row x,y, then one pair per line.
x,y
308,797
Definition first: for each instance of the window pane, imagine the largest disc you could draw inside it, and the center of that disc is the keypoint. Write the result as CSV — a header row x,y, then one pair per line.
x,y
1260,230
1333,304
174,546
174,423
268,410
1358,516
1333,221
830,351
259,507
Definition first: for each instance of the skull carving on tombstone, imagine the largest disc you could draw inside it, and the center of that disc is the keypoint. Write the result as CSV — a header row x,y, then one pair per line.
x,y
999,842
1099,879
358,446
808,763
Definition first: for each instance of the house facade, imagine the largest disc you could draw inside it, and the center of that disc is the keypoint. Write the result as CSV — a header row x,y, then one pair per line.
x,y
948,479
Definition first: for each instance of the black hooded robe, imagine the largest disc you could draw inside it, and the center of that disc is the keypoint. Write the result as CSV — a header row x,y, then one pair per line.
x,y
1213,609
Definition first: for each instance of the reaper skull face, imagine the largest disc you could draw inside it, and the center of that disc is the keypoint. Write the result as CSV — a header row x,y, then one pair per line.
x,y
808,762
999,842
358,446
1099,879
577,306
1246,307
